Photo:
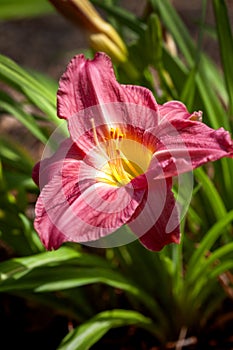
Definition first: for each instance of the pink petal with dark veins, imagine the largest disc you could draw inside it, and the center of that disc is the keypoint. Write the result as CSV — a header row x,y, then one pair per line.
x,y
74,207
183,145
156,221
44,170
87,83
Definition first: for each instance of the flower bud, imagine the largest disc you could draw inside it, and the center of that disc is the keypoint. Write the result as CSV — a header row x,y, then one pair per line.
x,y
101,42
102,36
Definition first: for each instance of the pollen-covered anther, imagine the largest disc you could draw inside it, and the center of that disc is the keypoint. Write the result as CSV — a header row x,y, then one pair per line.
x,y
196,116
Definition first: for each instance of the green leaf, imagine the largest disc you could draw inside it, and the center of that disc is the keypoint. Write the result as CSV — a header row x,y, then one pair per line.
x,y
125,17
208,75
63,255
153,40
205,273
215,113
223,267
30,235
11,71
43,104
205,97
188,91
12,9
11,107
219,253
226,45
18,180
37,274
176,27
40,94
86,335
195,263
211,193
224,175
15,156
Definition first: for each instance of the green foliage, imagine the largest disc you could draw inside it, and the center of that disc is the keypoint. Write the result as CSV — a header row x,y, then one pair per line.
x,y
14,9
40,91
226,46
90,332
159,292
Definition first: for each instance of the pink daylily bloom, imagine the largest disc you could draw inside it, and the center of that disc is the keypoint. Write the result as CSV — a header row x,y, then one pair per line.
x,y
117,166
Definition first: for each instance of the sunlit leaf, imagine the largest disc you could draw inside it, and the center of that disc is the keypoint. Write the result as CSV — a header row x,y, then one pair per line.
x,y
9,106
41,94
90,332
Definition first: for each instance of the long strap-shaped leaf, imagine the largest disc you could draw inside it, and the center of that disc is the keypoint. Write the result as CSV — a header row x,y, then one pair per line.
x,y
8,105
17,267
86,335
36,274
211,193
208,73
226,46
207,242
13,72
39,93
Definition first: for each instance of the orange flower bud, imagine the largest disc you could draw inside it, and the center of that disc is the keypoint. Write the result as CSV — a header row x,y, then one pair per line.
x,y
102,36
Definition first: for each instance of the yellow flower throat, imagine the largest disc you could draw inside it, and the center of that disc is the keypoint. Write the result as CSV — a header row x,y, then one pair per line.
x,y
119,169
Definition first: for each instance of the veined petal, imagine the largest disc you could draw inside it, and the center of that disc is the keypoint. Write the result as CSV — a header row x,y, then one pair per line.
x,y
87,83
141,96
92,126
176,110
83,85
44,170
116,168
74,207
88,92
183,145
156,221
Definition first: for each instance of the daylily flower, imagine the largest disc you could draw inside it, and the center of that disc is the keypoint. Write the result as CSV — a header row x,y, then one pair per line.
x,y
117,166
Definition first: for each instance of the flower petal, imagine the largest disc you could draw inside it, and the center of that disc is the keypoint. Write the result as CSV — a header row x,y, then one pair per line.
x,y
157,224
44,170
140,96
176,110
92,126
73,207
88,83
183,145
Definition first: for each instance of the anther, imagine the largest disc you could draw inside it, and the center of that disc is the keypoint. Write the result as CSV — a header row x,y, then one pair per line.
x,y
112,133
116,134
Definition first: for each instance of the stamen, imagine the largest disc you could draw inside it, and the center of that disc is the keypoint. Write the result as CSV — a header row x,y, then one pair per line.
x,y
112,133
121,167
129,165
94,132
119,170
116,134
111,150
